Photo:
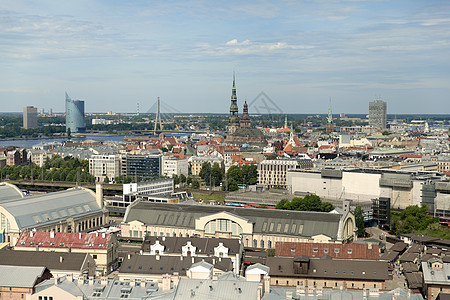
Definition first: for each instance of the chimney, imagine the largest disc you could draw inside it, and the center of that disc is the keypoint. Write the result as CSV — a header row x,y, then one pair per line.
x,y
91,281
129,256
31,233
99,195
163,238
79,235
56,279
193,259
69,277
166,282
176,278
52,234
103,235
132,282
157,257
61,259
181,257
104,280
214,261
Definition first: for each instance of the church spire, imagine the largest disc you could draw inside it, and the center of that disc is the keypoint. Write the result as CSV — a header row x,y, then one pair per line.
x,y
330,115
233,121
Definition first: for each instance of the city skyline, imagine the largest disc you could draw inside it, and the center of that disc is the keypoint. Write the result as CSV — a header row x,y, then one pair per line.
x,y
114,55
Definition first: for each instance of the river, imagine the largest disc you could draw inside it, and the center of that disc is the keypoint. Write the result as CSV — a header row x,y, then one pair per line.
x,y
29,143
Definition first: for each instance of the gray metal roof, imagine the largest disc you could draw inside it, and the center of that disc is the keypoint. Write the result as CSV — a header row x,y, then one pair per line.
x,y
226,287
9,191
431,276
266,221
112,289
15,276
35,211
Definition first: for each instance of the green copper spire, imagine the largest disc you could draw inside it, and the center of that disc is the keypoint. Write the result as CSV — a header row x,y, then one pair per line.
x,y
330,115
285,121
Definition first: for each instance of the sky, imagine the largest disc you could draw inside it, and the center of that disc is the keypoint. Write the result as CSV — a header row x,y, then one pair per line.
x,y
300,54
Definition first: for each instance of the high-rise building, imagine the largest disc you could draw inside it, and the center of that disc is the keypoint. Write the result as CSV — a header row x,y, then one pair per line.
x,y
233,121
30,117
378,114
75,115
145,166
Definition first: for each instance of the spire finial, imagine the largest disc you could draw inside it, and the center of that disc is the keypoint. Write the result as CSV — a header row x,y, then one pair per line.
x,y
234,78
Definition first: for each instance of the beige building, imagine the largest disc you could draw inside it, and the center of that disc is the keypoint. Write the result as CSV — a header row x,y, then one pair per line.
x,y
273,173
101,246
258,228
196,163
18,282
102,166
326,272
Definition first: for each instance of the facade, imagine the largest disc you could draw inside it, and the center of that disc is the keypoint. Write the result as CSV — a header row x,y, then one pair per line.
x,y
233,121
38,157
102,166
172,165
327,272
258,228
30,117
403,188
378,114
273,173
16,281
196,163
17,157
144,166
102,247
75,115
73,210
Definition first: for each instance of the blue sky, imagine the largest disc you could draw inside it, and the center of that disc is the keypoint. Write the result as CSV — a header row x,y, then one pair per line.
x,y
113,54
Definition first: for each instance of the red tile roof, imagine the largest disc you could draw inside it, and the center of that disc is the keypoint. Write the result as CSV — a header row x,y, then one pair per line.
x,y
344,251
64,240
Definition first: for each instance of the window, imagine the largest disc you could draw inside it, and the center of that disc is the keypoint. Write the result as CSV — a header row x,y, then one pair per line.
x,y
336,250
325,250
94,256
349,251
315,250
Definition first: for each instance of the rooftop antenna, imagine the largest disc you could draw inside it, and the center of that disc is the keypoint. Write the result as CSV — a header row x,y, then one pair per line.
x,y
137,109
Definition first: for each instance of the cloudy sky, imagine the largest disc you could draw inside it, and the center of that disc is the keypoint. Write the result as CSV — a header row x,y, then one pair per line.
x,y
114,54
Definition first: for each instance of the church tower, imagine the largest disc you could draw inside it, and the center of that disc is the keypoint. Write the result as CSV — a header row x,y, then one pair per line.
x,y
245,120
233,122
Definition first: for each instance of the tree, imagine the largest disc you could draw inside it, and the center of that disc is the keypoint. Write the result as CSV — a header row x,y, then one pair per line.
x,y
69,133
412,219
284,204
216,174
308,203
106,180
176,179
182,178
195,184
271,157
359,219
205,172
